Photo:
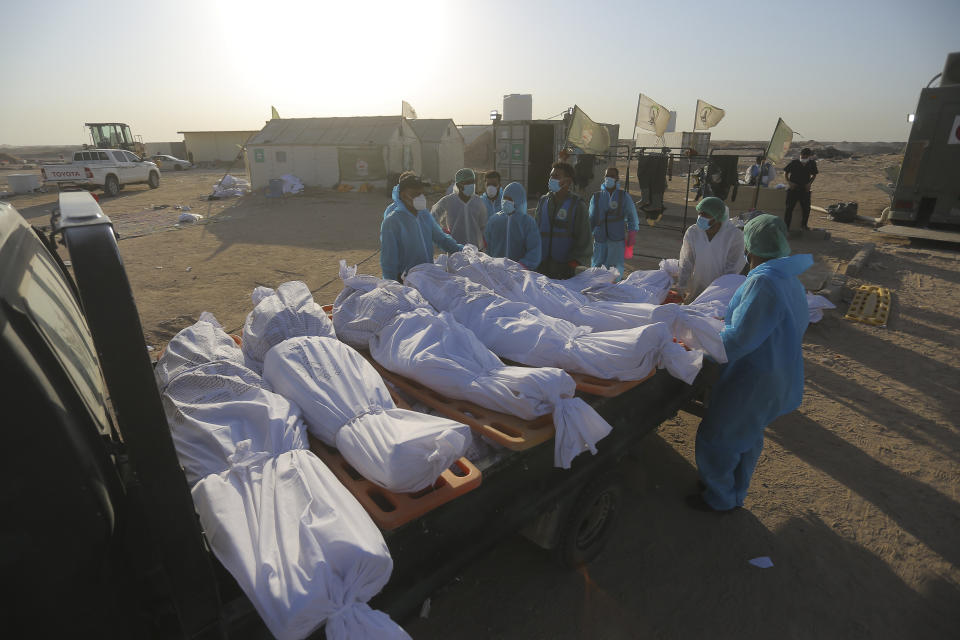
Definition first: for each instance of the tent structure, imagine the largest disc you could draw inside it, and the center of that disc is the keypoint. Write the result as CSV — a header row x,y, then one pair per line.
x,y
442,147
324,152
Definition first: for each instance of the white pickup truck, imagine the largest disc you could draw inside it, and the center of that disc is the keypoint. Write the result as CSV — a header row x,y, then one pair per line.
x,y
110,169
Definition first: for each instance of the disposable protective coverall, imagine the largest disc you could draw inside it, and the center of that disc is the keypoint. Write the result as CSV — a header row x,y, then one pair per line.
x,y
762,379
611,216
407,239
514,235
703,260
465,220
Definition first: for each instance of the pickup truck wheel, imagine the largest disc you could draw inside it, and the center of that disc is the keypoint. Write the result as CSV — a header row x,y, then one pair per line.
x,y
590,522
154,180
111,186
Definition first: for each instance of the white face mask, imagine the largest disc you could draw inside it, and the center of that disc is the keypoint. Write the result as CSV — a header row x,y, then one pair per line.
x,y
804,160
420,202
492,191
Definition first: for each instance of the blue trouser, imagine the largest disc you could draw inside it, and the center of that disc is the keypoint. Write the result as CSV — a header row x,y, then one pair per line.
x,y
608,254
725,470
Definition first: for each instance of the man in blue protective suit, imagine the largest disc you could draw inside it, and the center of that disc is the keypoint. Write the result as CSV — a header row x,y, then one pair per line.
x,y
613,217
763,376
408,231
492,195
564,226
511,232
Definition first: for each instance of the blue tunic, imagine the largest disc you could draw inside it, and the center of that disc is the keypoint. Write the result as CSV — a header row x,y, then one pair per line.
x,y
761,381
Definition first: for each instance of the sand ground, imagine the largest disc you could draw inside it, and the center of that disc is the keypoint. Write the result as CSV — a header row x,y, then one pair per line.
x,y
856,497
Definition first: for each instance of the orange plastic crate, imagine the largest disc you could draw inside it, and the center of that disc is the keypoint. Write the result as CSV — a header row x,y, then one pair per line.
x,y
390,510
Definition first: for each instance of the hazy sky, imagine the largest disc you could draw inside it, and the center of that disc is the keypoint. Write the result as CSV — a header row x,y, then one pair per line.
x,y
834,70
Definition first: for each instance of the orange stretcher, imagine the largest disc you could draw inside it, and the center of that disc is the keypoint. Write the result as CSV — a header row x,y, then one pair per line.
x,y
390,510
509,431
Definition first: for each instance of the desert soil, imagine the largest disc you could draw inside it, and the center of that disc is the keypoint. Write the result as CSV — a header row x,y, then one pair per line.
x,y
856,498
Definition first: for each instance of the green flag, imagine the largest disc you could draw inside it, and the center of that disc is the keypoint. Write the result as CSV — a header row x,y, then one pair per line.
x,y
586,134
273,114
780,142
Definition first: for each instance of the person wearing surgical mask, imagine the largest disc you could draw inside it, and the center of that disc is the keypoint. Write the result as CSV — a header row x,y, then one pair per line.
x,y
800,175
566,241
613,217
462,213
712,247
408,231
492,196
512,232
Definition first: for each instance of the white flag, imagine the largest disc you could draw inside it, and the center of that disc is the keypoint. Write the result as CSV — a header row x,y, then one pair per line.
x,y
779,142
407,111
707,115
652,116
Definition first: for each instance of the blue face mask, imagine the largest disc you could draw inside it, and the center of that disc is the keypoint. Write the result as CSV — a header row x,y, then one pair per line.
x,y
609,183
468,189
704,223
554,185
507,206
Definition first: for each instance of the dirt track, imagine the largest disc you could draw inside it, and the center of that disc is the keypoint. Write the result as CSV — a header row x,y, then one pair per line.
x,y
856,497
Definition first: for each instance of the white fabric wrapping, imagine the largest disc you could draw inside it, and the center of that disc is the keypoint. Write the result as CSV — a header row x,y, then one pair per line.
x,y
299,545
716,298
520,332
367,304
590,277
346,405
671,266
201,343
557,301
816,304
214,406
285,313
640,286
438,352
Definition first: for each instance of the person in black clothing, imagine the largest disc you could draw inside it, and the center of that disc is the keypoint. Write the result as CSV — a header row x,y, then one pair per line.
x,y
800,175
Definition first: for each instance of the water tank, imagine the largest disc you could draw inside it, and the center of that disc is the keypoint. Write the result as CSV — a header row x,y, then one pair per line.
x,y
518,106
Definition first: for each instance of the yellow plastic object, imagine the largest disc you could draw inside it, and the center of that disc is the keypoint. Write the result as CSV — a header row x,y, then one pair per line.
x,y
870,305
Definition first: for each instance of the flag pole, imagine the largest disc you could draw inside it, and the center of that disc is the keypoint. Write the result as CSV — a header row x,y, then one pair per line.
x,y
756,192
630,151
636,116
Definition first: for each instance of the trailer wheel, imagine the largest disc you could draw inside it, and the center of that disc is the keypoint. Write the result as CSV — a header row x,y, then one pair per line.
x,y
590,523
154,180
111,186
